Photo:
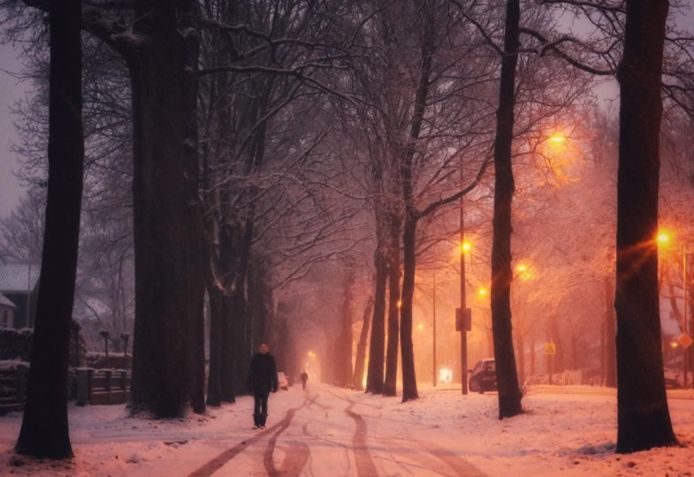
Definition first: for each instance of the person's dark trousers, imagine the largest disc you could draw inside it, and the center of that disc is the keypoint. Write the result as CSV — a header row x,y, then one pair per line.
x,y
303,385
260,408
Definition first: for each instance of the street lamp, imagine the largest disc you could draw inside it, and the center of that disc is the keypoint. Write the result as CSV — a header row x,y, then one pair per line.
x,y
556,138
463,313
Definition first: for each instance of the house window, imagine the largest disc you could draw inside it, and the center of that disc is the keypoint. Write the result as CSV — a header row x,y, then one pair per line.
x,y
4,319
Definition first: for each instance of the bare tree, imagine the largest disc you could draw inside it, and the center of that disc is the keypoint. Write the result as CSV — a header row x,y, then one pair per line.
x,y
641,398
44,431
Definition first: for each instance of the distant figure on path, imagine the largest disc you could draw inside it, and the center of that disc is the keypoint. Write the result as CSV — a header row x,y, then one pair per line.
x,y
304,379
261,380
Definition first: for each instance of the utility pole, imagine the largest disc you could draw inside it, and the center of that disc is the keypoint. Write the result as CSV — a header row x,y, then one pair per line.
x,y
685,351
463,304
433,313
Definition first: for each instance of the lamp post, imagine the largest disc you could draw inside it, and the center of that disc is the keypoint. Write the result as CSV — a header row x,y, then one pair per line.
x,y
433,332
464,247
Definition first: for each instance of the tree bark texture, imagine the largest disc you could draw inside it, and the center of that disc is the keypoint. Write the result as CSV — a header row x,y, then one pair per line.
x,y
44,431
394,303
507,378
374,379
643,418
167,221
360,358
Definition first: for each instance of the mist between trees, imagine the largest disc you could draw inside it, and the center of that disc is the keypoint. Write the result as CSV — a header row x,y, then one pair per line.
x,y
294,172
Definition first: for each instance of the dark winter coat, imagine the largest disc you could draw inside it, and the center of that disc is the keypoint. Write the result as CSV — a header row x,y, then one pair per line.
x,y
263,374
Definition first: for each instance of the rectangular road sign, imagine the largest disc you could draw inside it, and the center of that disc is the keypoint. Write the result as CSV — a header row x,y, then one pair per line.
x,y
463,320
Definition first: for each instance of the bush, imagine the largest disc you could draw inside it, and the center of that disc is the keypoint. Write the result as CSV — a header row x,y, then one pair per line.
x,y
15,344
114,361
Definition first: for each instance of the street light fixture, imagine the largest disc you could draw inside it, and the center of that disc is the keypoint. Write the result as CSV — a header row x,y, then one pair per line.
x,y
664,238
465,247
557,138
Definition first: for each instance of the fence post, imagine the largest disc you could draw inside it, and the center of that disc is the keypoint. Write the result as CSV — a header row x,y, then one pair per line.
x,y
82,386
124,384
21,384
107,378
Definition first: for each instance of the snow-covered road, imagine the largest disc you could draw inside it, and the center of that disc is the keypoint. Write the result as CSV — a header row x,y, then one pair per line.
x,y
332,432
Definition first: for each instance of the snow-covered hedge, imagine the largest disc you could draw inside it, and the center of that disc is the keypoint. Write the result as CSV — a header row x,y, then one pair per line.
x,y
15,344
114,361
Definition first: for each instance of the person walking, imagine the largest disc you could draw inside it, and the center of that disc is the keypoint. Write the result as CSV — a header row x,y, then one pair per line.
x,y
262,379
304,379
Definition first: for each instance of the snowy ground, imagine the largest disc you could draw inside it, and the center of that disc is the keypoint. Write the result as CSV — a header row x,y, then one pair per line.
x,y
334,432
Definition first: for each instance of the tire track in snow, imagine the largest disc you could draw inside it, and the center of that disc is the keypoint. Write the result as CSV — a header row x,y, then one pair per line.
x,y
362,455
462,467
296,457
459,465
212,466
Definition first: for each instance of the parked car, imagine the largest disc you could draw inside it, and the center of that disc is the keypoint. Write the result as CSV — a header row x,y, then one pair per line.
x,y
483,376
282,381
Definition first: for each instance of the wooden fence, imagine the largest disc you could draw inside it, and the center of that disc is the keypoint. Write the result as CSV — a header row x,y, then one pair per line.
x,y
85,386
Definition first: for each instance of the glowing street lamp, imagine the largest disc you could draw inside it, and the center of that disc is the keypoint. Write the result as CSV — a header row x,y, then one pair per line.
x,y
420,326
482,292
465,247
663,237
556,139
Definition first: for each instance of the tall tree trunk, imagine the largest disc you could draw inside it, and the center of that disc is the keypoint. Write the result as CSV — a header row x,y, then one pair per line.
x,y
166,212
374,377
44,431
409,234
502,274
344,344
360,358
409,379
643,417
393,307
227,365
214,379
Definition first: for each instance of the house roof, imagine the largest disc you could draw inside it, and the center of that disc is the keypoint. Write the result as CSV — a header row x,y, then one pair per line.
x,y
18,277
4,301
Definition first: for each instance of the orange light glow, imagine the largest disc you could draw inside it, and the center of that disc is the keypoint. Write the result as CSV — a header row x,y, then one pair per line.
x,y
674,344
525,272
664,237
399,303
556,139
420,327
482,292
466,246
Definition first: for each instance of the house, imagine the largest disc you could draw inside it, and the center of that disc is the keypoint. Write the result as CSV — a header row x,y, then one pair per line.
x,y
7,309
19,283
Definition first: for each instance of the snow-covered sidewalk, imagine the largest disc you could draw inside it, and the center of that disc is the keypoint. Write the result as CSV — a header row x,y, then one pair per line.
x,y
331,431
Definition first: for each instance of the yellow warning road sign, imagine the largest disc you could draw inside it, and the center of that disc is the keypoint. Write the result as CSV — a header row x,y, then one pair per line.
x,y
684,340
550,348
